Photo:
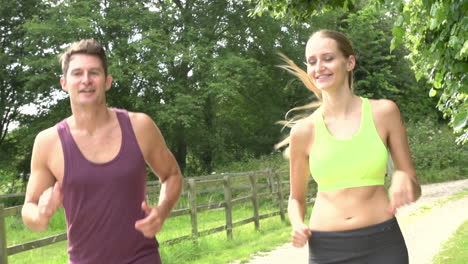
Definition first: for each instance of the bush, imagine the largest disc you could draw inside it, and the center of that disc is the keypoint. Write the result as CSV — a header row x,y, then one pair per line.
x,y
436,156
11,183
274,161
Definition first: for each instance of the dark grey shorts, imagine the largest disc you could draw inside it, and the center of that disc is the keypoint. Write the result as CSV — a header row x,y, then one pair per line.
x,y
381,244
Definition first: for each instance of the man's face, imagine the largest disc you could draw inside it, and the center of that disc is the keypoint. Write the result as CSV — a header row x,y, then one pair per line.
x,y
85,80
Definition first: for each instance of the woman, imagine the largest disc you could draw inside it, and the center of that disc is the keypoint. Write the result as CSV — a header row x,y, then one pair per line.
x,y
344,145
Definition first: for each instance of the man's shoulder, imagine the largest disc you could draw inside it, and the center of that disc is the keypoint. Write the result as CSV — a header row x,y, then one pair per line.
x,y
139,118
47,135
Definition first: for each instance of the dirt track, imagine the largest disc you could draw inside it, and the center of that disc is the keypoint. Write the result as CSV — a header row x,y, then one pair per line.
x,y
426,224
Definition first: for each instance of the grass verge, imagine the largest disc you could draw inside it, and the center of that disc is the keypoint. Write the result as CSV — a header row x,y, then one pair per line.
x,y
455,248
427,208
214,248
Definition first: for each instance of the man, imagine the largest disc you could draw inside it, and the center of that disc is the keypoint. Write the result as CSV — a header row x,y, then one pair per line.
x,y
94,162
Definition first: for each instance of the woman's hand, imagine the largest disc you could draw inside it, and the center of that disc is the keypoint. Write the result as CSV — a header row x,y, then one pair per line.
x,y
300,235
404,190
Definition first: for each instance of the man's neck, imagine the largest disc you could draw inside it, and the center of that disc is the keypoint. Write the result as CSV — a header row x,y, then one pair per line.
x,y
90,119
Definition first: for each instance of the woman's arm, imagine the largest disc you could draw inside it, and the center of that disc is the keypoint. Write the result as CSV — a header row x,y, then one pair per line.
x,y
405,187
300,143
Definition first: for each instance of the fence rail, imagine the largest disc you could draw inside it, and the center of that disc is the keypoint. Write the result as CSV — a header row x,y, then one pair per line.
x,y
193,189
11,195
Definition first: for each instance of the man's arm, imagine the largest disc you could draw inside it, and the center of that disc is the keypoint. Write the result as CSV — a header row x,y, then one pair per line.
x,y
43,196
165,166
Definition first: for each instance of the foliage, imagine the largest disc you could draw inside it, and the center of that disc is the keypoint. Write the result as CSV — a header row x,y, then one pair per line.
x,y
436,156
210,87
436,33
10,183
16,77
438,49
299,10
379,73
273,161
203,70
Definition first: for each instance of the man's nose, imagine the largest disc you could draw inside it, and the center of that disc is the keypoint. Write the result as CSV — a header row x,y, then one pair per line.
x,y
86,78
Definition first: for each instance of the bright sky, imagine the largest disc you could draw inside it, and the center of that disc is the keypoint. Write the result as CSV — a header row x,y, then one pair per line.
x,y
32,109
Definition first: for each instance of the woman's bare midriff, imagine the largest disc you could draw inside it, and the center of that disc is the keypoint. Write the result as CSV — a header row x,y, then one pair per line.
x,y
350,208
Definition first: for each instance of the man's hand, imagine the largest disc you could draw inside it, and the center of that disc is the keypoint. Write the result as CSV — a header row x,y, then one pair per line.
x,y
152,223
49,202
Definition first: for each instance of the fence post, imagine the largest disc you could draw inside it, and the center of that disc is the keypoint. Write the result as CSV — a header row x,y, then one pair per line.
x,y
228,201
3,245
270,182
192,195
280,196
253,183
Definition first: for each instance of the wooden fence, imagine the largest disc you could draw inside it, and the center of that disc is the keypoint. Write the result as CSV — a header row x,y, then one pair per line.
x,y
254,187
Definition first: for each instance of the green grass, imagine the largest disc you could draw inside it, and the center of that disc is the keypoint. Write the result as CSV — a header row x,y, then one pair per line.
x,y
455,248
214,248
17,233
52,254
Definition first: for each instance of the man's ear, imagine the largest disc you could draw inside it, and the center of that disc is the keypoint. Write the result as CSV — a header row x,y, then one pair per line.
x,y
108,82
63,83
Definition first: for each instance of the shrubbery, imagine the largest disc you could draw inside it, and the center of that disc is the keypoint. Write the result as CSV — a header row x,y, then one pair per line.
x,y
436,156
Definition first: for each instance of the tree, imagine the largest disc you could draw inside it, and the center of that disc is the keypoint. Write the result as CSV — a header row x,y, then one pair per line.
x,y
379,73
438,49
166,58
204,70
15,88
299,10
436,33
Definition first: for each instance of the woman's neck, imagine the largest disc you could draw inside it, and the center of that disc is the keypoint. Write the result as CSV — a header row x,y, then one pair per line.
x,y
339,105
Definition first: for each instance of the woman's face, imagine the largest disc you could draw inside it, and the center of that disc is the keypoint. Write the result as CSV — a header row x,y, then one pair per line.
x,y
326,65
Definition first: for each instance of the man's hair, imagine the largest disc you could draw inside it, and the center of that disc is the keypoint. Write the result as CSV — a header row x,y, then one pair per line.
x,y
85,46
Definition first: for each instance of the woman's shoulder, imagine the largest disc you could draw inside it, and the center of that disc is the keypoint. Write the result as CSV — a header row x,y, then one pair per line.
x,y
386,114
384,107
305,127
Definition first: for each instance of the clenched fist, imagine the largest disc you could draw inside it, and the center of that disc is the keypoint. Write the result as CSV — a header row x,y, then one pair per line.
x,y
49,202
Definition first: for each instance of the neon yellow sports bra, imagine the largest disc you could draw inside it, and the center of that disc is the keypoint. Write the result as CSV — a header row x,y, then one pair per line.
x,y
345,163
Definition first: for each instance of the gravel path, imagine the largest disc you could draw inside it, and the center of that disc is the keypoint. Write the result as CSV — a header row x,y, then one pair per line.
x,y
425,224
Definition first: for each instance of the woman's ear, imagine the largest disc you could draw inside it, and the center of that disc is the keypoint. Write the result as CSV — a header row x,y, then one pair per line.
x,y
351,63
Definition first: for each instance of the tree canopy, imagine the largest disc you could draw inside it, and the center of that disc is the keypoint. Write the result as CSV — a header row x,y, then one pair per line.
x,y
205,71
434,31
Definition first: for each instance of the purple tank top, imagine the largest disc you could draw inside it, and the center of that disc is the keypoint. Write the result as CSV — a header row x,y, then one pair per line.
x,y
102,202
